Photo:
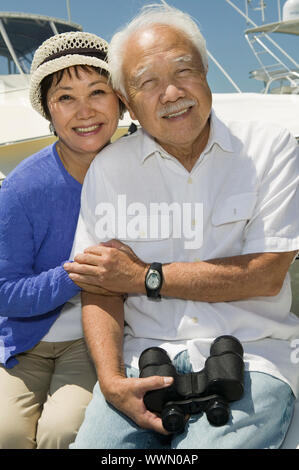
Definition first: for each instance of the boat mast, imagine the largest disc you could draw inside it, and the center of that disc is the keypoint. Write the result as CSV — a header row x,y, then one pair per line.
x,y
224,72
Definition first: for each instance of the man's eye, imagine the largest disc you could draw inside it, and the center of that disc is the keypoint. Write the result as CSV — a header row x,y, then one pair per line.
x,y
147,82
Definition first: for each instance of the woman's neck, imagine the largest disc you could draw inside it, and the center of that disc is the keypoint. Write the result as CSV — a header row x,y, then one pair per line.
x,y
76,165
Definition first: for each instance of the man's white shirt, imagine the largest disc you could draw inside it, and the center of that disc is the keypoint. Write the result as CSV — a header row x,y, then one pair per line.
x,y
240,197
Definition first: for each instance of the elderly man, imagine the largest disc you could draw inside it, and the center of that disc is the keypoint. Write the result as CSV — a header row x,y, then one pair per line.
x,y
204,220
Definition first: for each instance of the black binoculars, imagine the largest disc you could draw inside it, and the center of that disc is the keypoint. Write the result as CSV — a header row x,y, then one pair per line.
x,y
210,390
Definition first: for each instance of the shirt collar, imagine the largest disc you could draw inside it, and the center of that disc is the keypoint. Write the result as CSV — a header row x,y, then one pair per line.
x,y
219,135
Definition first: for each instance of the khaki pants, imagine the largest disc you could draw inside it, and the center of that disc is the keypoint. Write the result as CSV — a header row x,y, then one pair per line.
x,y
43,398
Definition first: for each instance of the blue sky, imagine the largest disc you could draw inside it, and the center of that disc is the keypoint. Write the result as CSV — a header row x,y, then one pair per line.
x,y
221,25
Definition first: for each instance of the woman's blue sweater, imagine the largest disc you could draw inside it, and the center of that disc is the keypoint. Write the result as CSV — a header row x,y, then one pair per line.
x,y
39,208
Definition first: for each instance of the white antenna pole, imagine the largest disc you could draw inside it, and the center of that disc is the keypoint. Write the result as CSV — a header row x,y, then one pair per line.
x,y
68,10
279,10
263,10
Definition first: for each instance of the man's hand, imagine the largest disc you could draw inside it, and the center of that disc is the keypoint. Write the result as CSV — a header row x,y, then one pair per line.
x,y
111,265
127,396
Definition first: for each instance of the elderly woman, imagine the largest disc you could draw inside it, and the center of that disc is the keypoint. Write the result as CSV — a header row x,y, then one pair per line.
x,y
46,374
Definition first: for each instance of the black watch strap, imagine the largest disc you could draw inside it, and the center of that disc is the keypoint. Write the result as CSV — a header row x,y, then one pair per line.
x,y
155,269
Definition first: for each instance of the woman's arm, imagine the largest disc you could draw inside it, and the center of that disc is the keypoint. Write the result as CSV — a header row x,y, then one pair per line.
x,y
23,292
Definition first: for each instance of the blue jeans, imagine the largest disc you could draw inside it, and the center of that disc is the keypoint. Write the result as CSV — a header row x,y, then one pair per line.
x,y
259,420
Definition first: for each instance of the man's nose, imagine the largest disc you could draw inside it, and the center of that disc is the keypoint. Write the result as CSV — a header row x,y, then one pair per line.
x,y
171,93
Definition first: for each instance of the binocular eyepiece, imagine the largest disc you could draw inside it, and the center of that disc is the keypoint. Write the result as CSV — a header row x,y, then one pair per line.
x,y
209,390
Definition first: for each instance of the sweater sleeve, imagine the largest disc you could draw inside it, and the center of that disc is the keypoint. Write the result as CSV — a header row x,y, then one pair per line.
x,y
24,293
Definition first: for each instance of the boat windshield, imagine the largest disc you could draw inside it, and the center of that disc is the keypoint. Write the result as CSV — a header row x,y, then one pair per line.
x,y
20,36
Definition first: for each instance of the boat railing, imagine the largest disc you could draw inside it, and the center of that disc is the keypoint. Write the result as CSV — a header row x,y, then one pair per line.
x,y
271,76
14,90
265,49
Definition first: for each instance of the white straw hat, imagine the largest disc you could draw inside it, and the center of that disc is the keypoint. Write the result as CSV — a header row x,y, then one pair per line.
x,y
62,51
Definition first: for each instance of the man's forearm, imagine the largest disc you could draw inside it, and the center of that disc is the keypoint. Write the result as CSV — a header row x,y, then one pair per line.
x,y
103,324
216,280
227,279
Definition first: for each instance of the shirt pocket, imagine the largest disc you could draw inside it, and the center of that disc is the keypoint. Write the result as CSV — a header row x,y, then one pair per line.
x,y
230,217
149,242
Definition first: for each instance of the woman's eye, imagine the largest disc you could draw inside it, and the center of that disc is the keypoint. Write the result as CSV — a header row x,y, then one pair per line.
x,y
98,92
64,98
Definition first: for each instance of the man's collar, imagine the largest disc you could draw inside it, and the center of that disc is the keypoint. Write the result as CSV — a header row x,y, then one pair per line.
x,y
219,135
149,146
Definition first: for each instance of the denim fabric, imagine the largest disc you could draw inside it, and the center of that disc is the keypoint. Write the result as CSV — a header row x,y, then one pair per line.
x,y
259,420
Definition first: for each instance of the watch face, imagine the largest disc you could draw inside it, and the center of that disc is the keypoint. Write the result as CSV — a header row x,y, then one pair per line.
x,y
153,280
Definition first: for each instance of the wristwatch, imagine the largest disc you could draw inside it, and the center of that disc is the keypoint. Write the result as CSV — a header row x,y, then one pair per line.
x,y
154,281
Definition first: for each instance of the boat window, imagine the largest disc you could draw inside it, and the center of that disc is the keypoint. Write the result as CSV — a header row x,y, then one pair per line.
x,y
25,35
7,65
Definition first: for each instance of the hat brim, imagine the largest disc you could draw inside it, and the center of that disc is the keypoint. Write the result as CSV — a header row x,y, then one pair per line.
x,y
53,66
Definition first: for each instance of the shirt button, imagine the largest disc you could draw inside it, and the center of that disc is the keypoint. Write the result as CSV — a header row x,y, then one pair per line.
x,y
194,319
190,181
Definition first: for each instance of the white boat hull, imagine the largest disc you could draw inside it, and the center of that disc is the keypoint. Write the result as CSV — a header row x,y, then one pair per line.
x,y
24,131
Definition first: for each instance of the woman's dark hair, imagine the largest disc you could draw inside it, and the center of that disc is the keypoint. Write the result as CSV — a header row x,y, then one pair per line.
x,y
48,80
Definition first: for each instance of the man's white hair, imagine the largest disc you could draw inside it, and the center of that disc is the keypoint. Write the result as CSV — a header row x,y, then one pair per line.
x,y
155,14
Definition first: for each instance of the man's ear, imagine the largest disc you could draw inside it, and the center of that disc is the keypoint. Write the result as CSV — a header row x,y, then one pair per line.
x,y
125,101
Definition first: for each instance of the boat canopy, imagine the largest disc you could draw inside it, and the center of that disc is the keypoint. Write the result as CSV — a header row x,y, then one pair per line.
x,y
21,34
284,27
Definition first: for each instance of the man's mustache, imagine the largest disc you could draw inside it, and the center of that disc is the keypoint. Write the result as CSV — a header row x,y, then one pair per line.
x,y
172,108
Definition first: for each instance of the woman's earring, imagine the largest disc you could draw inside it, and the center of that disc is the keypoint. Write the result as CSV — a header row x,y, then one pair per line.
x,y
52,129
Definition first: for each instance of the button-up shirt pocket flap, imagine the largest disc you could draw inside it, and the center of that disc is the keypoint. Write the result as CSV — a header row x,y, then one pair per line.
x,y
149,241
234,208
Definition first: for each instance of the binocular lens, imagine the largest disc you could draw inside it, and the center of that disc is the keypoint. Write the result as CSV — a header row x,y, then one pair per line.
x,y
153,356
217,413
226,343
173,419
